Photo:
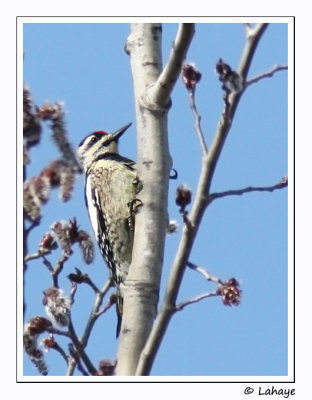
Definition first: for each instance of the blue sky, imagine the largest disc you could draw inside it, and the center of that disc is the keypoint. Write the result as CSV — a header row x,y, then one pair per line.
x,y
85,66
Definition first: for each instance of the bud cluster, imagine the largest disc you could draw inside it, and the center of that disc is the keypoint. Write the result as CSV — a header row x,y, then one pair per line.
x,y
232,81
37,189
57,306
79,277
35,194
55,114
31,125
190,76
183,197
106,368
32,330
67,233
49,343
230,292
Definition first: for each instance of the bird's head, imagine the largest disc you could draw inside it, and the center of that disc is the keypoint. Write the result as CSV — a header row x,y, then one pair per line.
x,y
97,144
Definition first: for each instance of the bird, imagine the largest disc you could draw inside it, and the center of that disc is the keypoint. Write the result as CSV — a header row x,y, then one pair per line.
x,y
111,187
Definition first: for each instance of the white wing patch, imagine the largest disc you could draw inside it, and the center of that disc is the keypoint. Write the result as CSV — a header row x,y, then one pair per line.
x,y
93,212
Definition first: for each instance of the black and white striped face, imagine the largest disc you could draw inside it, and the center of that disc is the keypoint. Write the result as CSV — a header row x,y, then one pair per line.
x,y
95,144
98,143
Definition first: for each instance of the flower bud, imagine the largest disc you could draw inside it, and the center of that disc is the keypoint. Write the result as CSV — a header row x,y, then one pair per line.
x,y
57,306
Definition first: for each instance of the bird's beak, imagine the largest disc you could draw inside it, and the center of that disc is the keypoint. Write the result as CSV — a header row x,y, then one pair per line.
x,y
117,134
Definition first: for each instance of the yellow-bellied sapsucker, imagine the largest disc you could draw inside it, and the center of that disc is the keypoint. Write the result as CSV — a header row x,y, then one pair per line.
x,y
111,185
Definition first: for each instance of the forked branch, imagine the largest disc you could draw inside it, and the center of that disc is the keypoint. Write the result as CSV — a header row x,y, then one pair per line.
x,y
209,162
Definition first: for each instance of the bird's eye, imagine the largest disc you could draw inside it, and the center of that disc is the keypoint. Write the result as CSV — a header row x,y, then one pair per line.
x,y
94,139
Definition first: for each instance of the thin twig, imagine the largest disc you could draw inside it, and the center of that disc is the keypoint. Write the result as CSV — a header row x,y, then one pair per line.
x,y
95,312
36,255
196,299
59,267
59,349
104,309
267,74
249,189
82,343
93,286
204,273
60,264
56,331
197,125
48,264
75,355
73,292
80,349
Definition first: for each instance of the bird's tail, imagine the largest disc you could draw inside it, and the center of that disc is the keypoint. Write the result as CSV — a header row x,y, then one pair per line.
x,y
119,307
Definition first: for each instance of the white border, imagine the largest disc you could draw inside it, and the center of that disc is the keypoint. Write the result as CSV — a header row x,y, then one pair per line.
x,y
239,379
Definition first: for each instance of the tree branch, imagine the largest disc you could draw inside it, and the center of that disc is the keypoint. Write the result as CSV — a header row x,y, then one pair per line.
x,y
81,352
197,125
267,74
253,36
95,312
229,290
196,299
152,90
249,189
208,277
34,256
204,273
209,163
161,91
55,272
59,349
83,342
247,27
